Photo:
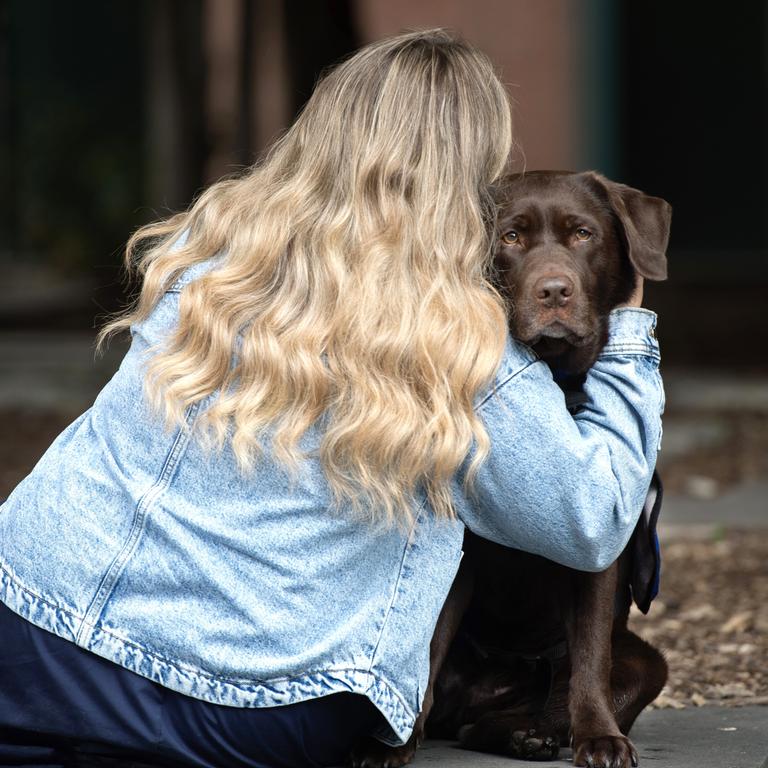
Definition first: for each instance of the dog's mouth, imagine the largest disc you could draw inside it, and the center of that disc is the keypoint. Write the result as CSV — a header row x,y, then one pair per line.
x,y
557,334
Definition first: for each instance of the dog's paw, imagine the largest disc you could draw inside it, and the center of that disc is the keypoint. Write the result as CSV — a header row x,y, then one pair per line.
x,y
373,754
605,752
524,745
532,745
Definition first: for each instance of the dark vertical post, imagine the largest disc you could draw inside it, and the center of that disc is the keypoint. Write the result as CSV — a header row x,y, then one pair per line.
x,y
319,33
246,95
175,143
599,117
8,215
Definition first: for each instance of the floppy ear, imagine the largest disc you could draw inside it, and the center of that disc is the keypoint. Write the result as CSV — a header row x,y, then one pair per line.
x,y
645,221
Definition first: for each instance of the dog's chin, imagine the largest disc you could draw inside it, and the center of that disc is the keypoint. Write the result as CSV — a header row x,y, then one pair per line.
x,y
568,351
556,337
548,348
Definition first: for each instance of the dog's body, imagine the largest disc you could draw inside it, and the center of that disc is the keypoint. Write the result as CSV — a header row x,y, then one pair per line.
x,y
528,654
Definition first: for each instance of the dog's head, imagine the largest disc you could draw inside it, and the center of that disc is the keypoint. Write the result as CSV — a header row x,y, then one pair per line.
x,y
568,249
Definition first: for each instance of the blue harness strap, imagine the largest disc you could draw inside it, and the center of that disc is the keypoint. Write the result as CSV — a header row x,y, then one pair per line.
x,y
645,549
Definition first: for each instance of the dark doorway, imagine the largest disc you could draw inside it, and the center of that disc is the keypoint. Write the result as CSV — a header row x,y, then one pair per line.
x,y
694,125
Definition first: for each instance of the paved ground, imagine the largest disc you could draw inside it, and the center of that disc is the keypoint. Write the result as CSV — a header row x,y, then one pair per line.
x,y
710,737
745,506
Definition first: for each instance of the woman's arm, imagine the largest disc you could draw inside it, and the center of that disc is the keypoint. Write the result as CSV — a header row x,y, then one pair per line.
x,y
571,488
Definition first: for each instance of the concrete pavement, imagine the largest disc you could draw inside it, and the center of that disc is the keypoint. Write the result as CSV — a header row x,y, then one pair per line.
x,y
707,737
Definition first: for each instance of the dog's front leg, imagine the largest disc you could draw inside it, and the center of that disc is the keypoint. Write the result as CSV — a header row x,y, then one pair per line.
x,y
597,740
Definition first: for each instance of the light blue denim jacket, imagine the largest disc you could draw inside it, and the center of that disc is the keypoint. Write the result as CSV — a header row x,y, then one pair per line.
x,y
136,544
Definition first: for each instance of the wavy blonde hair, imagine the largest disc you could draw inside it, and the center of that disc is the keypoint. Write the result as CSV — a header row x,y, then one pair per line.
x,y
354,279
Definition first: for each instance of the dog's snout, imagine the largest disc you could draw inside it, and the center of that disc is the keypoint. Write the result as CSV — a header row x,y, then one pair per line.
x,y
553,291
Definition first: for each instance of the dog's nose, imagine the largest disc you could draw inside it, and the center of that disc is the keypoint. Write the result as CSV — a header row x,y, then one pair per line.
x,y
553,291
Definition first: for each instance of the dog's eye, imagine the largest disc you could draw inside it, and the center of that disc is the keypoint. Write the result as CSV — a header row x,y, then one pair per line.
x,y
583,234
510,238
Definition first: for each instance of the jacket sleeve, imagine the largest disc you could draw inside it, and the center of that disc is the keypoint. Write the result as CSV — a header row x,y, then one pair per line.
x,y
570,488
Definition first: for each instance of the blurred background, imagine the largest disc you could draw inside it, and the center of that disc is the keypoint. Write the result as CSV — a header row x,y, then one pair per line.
x,y
113,114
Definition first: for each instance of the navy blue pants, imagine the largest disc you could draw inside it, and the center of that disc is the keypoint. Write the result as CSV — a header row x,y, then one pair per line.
x,y
62,706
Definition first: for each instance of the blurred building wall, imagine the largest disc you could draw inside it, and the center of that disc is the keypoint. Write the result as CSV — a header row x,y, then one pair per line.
x,y
533,46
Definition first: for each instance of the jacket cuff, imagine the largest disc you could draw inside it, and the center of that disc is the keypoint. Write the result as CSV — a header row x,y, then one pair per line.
x,y
632,330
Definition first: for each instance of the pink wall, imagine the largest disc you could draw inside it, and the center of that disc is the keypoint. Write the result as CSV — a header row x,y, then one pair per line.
x,y
531,42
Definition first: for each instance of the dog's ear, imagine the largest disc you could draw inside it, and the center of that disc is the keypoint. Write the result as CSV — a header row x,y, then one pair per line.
x,y
645,222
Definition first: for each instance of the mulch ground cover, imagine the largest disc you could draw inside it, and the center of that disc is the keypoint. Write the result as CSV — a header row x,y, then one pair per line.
x,y
24,437
711,617
711,620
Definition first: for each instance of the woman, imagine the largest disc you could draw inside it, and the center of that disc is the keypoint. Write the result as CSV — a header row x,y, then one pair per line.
x,y
237,556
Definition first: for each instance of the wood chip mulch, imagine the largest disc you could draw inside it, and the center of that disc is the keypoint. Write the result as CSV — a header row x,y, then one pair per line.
x,y
711,620
25,435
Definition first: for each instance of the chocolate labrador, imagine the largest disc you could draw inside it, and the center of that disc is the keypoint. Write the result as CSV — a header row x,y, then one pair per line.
x,y
528,655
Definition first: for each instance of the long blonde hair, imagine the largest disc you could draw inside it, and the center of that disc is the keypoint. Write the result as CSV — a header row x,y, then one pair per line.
x,y
354,279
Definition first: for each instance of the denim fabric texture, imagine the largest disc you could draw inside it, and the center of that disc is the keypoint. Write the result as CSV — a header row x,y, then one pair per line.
x,y
136,544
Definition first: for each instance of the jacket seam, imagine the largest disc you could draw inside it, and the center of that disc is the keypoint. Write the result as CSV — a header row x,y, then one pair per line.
x,y
116,567
505,381
629,347
398,581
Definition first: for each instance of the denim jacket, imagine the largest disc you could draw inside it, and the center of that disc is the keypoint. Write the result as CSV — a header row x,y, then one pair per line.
x,y
138,545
